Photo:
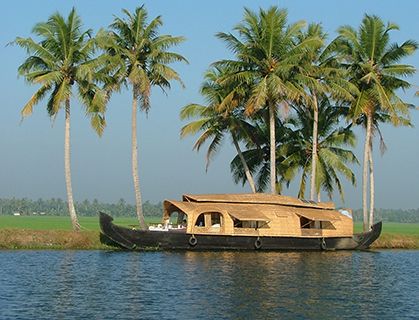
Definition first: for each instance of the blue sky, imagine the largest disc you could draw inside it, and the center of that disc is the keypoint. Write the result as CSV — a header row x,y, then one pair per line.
x,y
31,161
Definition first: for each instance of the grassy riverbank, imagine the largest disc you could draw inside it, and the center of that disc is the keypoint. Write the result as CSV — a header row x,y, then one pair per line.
x,y
55,232
396,235
51,232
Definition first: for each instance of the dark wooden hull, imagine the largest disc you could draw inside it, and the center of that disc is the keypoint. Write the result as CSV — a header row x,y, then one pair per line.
x,y
132,239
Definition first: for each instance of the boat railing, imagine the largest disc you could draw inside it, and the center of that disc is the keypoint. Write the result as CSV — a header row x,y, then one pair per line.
x,y
163,227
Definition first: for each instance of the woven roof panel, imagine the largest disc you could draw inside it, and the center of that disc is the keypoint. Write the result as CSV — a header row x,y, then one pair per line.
x,y
257,198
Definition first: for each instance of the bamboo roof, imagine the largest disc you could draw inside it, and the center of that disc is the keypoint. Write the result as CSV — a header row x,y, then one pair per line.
x,y
185,207
251,211
257,198
244,214
317,215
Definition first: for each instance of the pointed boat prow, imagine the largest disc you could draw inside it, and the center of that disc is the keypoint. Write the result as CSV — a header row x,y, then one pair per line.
x,y
365,239
113,232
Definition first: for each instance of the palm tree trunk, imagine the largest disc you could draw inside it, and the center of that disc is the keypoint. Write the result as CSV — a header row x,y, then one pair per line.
x,y
372,187
67,169
272,147
314,151
134,159
245,166
365,172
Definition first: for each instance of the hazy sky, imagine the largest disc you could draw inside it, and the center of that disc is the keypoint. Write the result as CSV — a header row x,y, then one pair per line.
x,y
31,161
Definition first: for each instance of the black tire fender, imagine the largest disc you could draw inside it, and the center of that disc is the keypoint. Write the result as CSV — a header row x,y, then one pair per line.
x,y
192,241
258,243
323,244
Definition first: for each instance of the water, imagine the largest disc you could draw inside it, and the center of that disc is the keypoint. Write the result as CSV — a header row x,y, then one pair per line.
x,y
209,285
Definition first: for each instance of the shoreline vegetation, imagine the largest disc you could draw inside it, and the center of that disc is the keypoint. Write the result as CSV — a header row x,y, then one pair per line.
x,y
48,233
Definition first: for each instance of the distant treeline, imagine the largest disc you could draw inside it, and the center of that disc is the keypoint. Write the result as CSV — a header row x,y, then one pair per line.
x,y
58,207
391,215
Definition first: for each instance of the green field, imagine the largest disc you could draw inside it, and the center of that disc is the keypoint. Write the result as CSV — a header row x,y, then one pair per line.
x,y
408,229
92,223
62,223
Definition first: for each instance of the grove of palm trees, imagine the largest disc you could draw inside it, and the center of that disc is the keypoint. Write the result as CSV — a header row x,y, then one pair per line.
x,y
286,95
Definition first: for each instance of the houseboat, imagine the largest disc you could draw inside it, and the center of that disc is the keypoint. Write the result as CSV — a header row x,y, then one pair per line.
x,y
243,222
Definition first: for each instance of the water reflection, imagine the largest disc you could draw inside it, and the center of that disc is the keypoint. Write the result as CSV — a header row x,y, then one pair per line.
x,y
208,285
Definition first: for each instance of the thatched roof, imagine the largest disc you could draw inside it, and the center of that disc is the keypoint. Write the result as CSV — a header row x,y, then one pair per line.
x,y
257,198
318,215
247,213
251,211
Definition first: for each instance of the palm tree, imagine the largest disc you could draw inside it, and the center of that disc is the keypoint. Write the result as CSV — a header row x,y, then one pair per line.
x,y
142,61
372,62
257,153
63,58
320,74
380,116
215,123
294,151
266,56
332,156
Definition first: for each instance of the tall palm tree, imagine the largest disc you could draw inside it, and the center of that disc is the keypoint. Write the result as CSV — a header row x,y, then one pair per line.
x,y
266,56
215,123
373,65
332,155
142,61
320,74
62,59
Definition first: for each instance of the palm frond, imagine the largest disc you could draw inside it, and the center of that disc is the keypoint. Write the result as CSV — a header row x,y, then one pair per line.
x,y
36,97
194,127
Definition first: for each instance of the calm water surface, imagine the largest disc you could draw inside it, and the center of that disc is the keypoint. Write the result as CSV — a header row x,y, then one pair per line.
x,y
209,285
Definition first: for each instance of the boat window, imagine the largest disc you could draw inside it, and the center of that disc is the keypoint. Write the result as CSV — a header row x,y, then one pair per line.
x,y
200,222
311,224
327,225
306,223
209,220
216,218
250,224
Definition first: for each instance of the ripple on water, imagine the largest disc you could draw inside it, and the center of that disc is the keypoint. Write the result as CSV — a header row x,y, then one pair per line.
x,y
208,285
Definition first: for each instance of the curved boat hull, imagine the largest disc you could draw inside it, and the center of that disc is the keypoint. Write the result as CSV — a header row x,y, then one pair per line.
x,y
132,239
